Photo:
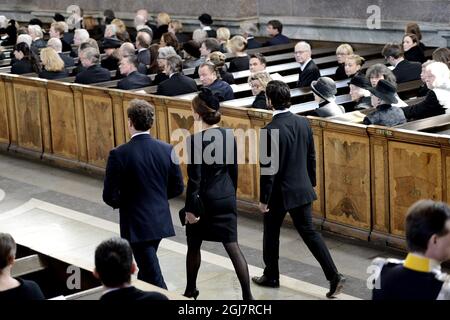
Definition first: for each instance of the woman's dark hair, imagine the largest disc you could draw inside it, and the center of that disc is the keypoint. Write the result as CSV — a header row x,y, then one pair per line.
x,y
192,48
27,55
414,28
153,68
279,94
442,55
207,105
171,40
413,37
424,219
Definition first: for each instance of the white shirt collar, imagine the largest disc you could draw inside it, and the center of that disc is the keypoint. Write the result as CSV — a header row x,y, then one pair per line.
x,y
142,49
303,66
139,133
275,112
207,28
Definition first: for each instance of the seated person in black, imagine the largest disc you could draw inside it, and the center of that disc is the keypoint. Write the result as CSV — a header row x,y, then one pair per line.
x,y
308,69
412,49
353,65
383,96
419,276
110,47
52,65
163,53
237,45
57,46
324,90
342,52
218,59
258,83
177,83
14,289
437,100
25,61
113,267
275,30
133,79
93,73
404,70
248,30
209,77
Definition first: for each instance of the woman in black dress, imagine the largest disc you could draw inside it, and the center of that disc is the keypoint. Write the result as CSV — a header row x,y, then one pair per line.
x,y
238,45
215,182
25,61
14,289
258,83
412,50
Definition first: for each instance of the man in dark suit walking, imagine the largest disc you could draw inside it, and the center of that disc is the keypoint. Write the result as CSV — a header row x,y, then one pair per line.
x,y
140,178
177,83
113,267
133,79
93,73
288,174
309,71
404,70
275,29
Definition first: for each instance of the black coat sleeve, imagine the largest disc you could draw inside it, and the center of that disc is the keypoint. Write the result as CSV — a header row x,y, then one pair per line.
x,y
175,186
311,162
268,151
427,108
111,187
194,171
233,167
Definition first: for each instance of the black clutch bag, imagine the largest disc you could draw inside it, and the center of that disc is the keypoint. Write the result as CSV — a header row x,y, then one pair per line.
x,y
182,214
198,211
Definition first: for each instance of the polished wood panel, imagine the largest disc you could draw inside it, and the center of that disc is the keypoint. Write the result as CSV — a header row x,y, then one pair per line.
x,y
414,174
4,126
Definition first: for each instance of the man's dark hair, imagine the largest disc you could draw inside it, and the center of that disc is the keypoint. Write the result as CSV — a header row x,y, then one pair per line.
x,y
113,260
141,113
276,25
279,94
212,44
424,219
392,50
36,21
7,249
260,57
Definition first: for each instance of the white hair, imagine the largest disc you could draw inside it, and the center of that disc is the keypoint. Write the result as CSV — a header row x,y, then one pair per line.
x,y
441,73
139,21
199,35
55,43
164,52
3,22
248,28
304,45
82,34
26,38
111,30
35,30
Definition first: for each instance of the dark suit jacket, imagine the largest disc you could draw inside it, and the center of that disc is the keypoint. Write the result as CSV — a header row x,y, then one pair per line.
x,y
110,63
144,57
222,89
308,75
93,74
140,178
68,60
176,85
415,54
134,80
21,67
290,184
65,46
427,108
278,39
407,71
52,75
260,101
131,294
39,43
253,44
239,64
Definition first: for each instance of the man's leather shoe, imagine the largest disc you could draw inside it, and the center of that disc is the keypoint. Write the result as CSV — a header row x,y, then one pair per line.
x,y
336,285
266,282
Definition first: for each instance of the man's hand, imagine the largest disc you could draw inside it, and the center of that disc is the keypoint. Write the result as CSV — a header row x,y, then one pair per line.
x,y
191,218
263,207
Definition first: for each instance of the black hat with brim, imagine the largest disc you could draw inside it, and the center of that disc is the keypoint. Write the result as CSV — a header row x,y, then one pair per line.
x,y
111,43
360,81
205,19
385,91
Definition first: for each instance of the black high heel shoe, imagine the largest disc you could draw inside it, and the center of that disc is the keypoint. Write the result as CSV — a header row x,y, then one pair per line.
x,y
192,294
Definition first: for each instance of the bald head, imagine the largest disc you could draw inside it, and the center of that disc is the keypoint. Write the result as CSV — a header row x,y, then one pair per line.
x,y
302,52
143,40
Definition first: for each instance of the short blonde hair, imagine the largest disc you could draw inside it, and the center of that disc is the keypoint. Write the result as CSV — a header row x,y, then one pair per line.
x,y
199,35
263,77
345,47
176,25
59,27
358,59
51,60
163,18
237,44
223,34
120,25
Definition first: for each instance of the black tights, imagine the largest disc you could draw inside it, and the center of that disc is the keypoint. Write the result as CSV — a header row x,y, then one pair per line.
x,y
193,260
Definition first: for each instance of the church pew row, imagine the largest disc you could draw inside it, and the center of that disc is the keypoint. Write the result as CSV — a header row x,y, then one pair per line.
x,y
367,175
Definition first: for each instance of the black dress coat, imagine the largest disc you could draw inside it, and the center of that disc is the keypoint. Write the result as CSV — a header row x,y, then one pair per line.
x,y
215,183
176,85
134,80
427,108
308,75
239,64
93,74
407,71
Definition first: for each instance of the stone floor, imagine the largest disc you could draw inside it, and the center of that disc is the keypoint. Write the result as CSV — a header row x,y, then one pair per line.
x,y
23,180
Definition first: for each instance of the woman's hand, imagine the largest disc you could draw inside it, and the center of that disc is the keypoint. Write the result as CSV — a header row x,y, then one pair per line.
x,y
191,218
